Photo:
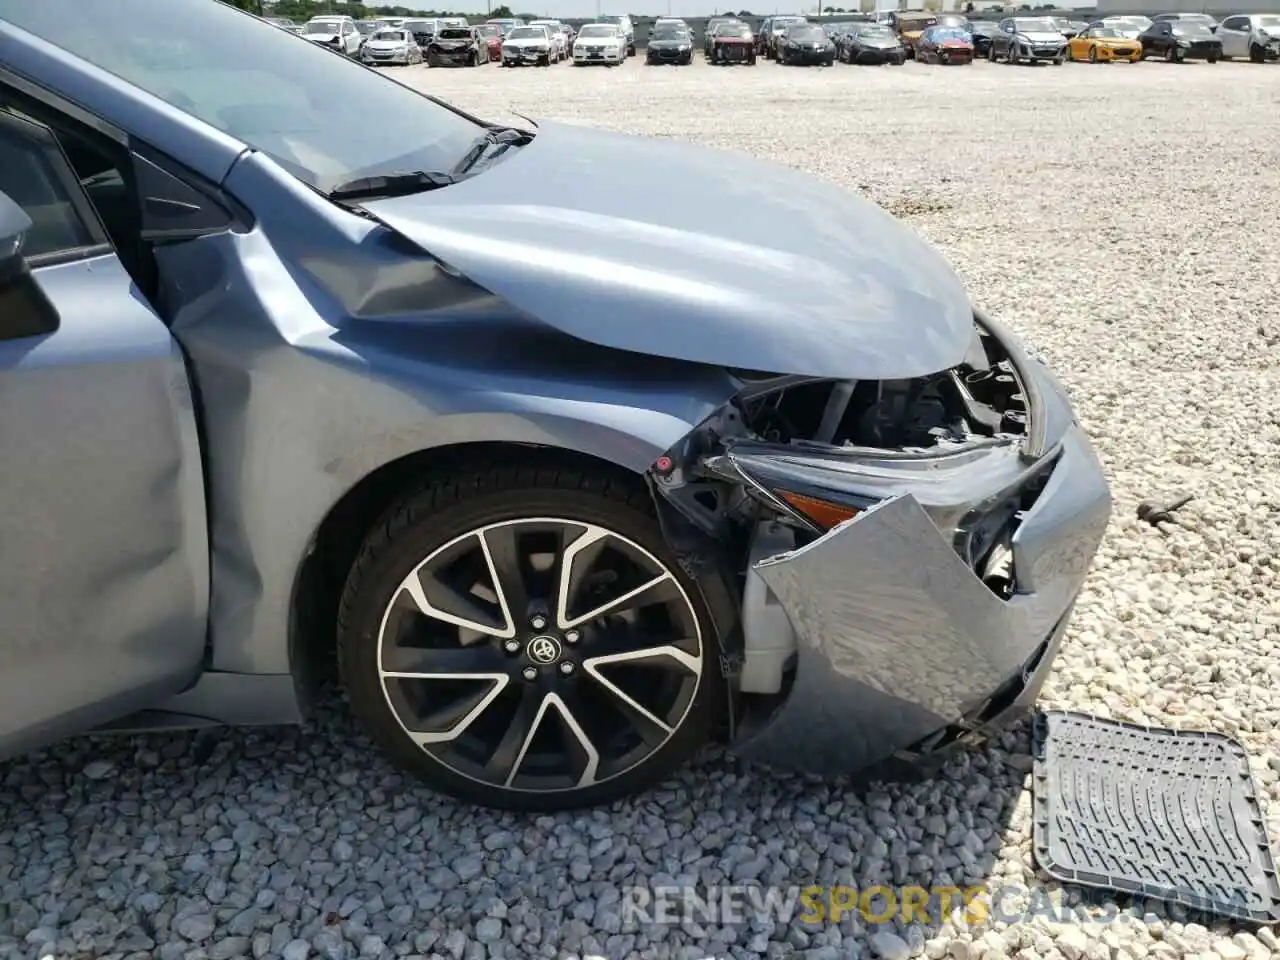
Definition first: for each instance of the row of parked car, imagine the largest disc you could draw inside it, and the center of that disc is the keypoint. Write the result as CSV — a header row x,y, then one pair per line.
x,y
793,39
454,41
954,39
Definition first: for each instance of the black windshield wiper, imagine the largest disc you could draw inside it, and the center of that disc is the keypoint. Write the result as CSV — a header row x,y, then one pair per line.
x,y
494,136
390,185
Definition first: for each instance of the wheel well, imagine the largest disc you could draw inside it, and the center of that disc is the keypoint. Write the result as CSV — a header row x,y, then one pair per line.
x,y
320,581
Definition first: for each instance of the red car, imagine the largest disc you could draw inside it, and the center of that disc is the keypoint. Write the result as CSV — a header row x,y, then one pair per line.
x,y
732,43
491,33
944,45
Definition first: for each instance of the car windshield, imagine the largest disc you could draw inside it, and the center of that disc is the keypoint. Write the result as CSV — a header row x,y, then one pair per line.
x,y
597,31
939,34
1035,25
951,20
1267,20
733,30
321,27
1106,33
368,29
1191,28
527,33
807,32
874,31
455,33
669,33
781,24
397,35
490,30
295,102
419,26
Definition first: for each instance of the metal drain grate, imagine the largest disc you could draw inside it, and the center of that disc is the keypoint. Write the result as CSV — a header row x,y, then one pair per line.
x,y
1162,814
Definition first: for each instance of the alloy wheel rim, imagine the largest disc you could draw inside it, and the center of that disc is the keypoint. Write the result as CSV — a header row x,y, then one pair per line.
x,y
540,655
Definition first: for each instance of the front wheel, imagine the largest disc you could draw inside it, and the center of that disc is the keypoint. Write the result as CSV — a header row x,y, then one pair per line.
x,y
1257,54
526,640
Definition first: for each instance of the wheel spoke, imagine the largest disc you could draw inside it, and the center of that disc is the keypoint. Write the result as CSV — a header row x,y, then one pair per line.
x,y
590,757
621,645
653,730
425,738
576,560
439,663
469,615
581,552
665,656
504,762
501,546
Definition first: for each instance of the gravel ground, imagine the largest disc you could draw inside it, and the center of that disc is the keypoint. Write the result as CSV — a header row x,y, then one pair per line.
x,y
1123,218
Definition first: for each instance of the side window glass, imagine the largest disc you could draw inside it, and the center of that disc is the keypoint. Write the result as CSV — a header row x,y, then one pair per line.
x,y
36,176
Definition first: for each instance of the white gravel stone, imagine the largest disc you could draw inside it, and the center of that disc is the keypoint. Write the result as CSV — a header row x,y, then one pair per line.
x,y
1121,219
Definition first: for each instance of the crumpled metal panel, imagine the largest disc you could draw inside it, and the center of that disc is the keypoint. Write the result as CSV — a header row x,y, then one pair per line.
x,y
695,256
310,377
898,637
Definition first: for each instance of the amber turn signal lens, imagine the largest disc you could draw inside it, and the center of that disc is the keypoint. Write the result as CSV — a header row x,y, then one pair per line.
x,y
824,514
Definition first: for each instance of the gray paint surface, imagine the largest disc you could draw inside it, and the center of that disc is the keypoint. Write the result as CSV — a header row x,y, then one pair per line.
x,y
323,345
706,256
104,596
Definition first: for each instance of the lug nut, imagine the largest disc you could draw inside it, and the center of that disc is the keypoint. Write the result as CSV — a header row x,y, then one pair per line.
x,y
566,668
511,646
572,636
530,673
538,622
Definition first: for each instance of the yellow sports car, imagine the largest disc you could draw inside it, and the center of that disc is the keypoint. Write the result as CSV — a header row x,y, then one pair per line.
x,y
1103,44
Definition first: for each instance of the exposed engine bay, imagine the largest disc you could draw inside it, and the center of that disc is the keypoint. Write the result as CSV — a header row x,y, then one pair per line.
x,y
792,457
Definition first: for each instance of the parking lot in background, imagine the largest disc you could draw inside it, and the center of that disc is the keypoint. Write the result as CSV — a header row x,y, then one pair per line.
x,y
1123,219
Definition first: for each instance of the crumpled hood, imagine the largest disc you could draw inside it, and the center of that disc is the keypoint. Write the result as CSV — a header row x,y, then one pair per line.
x,y
664,248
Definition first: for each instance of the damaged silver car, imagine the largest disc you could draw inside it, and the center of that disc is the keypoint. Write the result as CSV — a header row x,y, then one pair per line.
x,y
297,370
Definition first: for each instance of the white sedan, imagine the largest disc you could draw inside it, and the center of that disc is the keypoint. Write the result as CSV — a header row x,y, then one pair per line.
x,y
558,38
599,43
391,47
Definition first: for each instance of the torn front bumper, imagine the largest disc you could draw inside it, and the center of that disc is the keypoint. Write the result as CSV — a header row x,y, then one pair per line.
x,y
900,645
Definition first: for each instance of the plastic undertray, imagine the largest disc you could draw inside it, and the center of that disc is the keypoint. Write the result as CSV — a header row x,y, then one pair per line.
x,y
1167,815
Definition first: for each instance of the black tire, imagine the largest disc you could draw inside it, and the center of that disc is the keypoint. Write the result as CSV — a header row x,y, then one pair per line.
x,y
1212,59
1257,54
1093,54
448,510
